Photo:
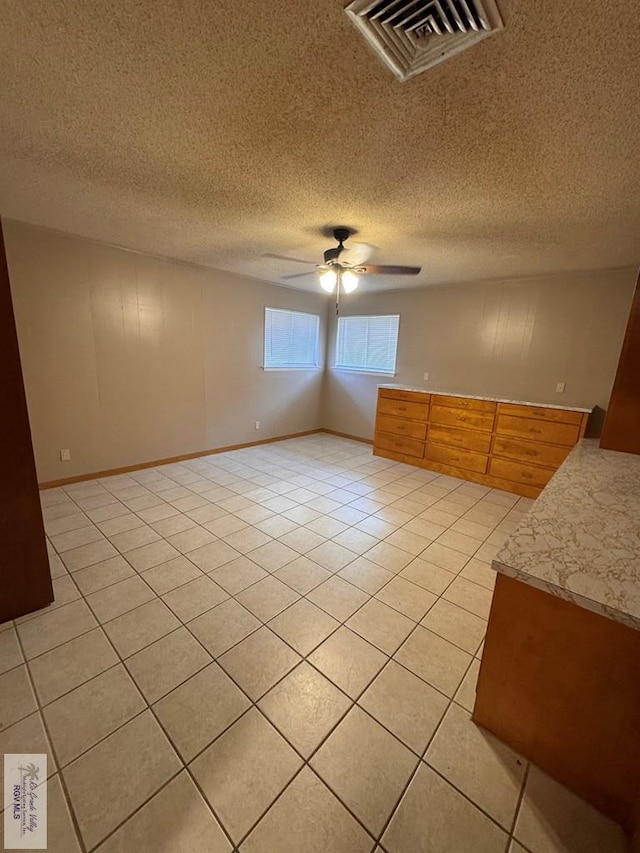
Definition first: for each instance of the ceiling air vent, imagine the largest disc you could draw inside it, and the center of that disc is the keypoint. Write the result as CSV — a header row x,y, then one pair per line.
x,y
412,35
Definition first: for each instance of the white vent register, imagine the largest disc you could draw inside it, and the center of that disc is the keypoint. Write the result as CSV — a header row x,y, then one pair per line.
x,y
413,35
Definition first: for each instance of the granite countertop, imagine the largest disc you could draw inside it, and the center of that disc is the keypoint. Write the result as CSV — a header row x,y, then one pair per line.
x,y
491,399
581,538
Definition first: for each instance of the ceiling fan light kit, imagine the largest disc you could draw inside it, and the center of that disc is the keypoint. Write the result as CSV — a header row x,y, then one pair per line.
x,y
337,275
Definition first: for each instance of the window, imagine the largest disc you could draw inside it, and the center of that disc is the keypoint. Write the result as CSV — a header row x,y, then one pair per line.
x,y
368,343
290,339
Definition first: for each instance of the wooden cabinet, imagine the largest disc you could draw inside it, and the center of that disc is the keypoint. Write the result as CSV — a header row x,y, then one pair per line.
x,y
511,446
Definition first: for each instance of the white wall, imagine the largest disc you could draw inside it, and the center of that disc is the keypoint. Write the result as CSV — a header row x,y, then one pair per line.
x,y
513,339
129,358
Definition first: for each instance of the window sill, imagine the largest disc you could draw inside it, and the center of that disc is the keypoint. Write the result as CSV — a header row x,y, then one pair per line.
x,y
272,369
364,371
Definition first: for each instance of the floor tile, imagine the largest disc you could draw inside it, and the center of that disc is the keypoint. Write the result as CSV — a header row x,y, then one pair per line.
x,y
16,696
134,630
258,662
480,573
409,541
190,539
459,626
28,736
434,818
92,711
151,555
120,524
54,628
10,654
103,574
273,556
61,834
119,598
307,817
355,540
553,819
196,712
276,526
103,775
194,598
459,542
470,596
406,597
71,664
304,707
225,525
327,527
163,665
160,825
405,705
303,575
478,764
136,538
238,575
466,695
366,767
348,661
302,540
168,576
247,539
303,626
365,575
266,598
434,659
389,557
380,625
338,598
263,764
428,575
75,538
446,558
331,556
87,555
222,627
173,524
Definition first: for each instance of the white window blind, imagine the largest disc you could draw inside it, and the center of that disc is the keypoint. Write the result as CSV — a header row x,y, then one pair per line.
x,y
290,339
368,343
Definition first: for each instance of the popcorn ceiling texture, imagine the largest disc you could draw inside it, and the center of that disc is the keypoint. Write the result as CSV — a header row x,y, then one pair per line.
x,y
215,132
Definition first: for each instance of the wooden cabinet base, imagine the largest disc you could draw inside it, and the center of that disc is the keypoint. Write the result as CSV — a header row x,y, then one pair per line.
x,y
560,685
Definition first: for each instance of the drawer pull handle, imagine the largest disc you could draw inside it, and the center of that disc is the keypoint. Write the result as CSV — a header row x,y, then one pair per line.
x,y
536,431
526,475
461,418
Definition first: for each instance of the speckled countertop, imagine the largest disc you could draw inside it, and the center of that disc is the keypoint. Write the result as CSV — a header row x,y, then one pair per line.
x,y
491,399
581,538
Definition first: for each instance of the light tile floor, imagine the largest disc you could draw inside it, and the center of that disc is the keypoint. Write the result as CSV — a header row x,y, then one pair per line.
x,y
275,650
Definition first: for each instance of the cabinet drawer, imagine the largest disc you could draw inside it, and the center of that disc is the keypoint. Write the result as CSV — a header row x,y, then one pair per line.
x,y
457,457
400,426
519,472
464,403
400,444
529,451
397,394
398,408
466,438
448,416
536,430
541,413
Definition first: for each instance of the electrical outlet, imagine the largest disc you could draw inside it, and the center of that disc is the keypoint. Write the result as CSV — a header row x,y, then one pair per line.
x,y
425,376
560,386
256,425
65,455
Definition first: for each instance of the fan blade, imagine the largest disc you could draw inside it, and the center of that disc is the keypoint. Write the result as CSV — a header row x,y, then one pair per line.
x,y
374,269
286,258
299,274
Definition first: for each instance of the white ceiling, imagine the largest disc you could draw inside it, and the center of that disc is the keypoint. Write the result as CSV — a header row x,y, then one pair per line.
x,y
216,132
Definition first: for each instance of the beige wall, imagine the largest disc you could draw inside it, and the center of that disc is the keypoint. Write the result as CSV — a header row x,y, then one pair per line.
x,y
512,339
128,358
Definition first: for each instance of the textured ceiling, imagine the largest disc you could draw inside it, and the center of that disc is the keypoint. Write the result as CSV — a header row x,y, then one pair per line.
x,y
217,131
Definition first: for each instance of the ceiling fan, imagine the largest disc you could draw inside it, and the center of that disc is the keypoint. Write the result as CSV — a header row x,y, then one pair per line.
x,y
339,274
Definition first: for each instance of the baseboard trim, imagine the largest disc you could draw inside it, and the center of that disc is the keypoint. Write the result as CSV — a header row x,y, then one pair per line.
x,y
348,435
126,469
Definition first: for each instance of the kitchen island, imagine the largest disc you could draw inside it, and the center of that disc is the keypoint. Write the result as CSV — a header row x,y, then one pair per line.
x,y
560,673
